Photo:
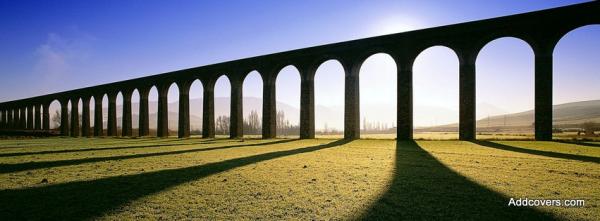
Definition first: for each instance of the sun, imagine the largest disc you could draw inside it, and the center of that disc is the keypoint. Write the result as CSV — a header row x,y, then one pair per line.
x,y
391,25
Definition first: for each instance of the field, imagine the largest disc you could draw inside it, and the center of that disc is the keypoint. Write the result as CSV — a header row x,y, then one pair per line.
x,y
221,179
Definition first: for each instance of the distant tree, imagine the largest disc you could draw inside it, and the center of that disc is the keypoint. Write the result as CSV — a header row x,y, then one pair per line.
x,y
280,120
222,125
589,128
252,123
284,127
56,118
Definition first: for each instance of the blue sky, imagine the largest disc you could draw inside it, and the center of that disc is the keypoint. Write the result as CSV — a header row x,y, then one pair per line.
x,y
52,46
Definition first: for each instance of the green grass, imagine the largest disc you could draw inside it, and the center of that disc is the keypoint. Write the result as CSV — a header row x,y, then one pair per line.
x,y
126,179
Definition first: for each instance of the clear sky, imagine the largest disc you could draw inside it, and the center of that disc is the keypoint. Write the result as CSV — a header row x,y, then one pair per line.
x,y
52,46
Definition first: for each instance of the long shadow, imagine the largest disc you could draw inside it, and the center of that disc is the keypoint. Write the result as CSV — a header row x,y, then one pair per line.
x,y
580,143
43,144
11,168
89,199
423,188
538,152
95,149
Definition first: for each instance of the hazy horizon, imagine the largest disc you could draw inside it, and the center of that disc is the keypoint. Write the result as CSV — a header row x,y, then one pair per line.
x,y
433,115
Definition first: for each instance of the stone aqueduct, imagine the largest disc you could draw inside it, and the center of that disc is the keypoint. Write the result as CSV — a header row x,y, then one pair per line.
x,y
541,30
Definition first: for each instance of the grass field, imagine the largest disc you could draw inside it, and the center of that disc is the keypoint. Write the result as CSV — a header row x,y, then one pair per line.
x,y
148,178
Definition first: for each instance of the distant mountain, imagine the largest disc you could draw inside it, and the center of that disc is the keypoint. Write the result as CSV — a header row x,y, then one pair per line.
x,y
564,115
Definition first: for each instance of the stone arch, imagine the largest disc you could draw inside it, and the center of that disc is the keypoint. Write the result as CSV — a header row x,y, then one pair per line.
x,y
54,111
222,101
482,44
495,103
252,103
378,107
575,78
288,107
119,109
436,90
135,111
173,107
92,113
152,109
329,97
196,106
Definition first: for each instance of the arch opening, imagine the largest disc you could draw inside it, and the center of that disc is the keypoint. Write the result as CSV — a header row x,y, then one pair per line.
x,y
119,116
173,109
54,111
222,106
505,89
436,94
152,110
287,86
135,112
252,104
329,99
378,96
196,108
576,95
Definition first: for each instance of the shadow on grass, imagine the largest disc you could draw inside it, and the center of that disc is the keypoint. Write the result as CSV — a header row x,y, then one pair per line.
x,y
12,168
580,143
423,188
538,152
96,149
90,199
103,141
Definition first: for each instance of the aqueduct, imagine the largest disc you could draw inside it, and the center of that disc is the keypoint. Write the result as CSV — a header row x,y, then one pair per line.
x,y
541,30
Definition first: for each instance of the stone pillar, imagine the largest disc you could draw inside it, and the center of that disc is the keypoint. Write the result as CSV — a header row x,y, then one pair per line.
x,y
11,119
23,118
163,111
208,112
6,119
111,129
38,117
85,117
75,117
2,117
351,105
269,111
404,105
543,95
46,117
307,105
15,119
467,98
15,122
144,121
126,130
236,124
64,117
98,122
184,110
20,118
29,117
